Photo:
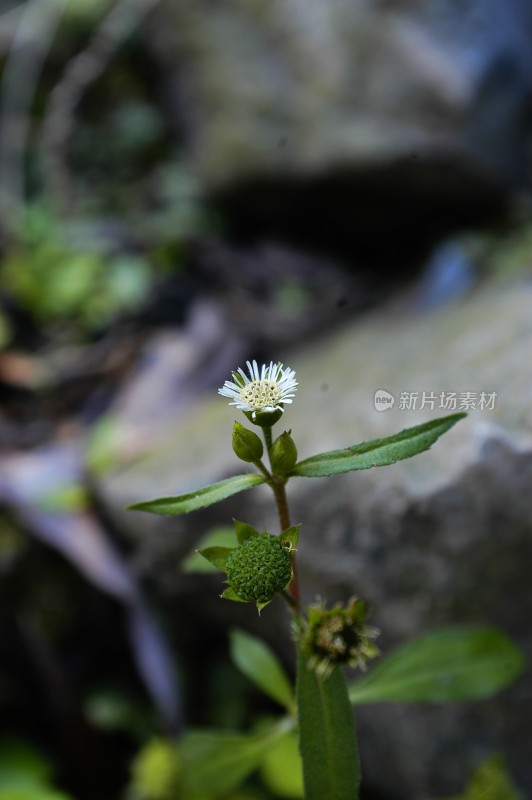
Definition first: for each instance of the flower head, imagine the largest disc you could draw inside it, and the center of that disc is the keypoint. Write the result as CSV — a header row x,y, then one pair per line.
x,y
259,567
264,391
338,636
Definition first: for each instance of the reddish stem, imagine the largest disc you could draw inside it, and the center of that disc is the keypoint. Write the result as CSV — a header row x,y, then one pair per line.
x,y
284,519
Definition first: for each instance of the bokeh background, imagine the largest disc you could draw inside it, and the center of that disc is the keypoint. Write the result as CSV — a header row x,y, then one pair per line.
x,y
340,185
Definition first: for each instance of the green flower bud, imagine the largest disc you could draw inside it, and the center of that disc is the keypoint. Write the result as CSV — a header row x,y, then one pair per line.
x,y
338,636
246,444
259,568
283,454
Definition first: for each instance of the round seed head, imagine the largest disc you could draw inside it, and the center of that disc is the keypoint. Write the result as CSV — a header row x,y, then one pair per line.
x,y
259,568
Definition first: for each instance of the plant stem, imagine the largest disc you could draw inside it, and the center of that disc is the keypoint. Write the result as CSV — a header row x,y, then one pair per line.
x,y
279,492
268,439
290,600
266,472
282,503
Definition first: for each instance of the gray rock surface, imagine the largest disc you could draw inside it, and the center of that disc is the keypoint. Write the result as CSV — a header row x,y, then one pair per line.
x,y
443,538
292,87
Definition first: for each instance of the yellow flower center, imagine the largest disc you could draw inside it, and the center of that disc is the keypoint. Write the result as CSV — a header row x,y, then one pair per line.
x,y
261,394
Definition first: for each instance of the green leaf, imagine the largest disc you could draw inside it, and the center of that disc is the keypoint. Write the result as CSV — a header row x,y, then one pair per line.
x,y
378,452
282,770
217,556
327,736
32,793
449,665
216,763
244,531
182,504
156,770
222,536
491,781
230,594
21,764
291,535
261,666
24,774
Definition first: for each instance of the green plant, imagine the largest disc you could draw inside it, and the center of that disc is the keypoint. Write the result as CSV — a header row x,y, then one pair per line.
x,y
62,277
490,781
452,664
156,771
25,774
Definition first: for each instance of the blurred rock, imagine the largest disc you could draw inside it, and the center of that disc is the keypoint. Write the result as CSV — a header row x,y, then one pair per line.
x,y
292,87
303,118
443,538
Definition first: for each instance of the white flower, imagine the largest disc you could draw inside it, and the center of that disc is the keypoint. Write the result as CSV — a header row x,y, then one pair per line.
x,y
267,390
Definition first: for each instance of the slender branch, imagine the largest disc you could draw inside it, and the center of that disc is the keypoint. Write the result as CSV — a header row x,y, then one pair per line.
x,y
268,439
265,471
282,503
279,492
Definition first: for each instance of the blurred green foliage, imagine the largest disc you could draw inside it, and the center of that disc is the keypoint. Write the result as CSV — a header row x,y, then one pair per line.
x,y
511,254
86,11
13,544
282,771
503,253
97,235
156,771
55,279
209,765
491,781
221,536
83,273
5,330
25,774
112,709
